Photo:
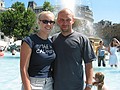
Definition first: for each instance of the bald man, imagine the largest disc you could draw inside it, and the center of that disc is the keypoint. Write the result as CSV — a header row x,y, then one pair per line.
x,y
72,48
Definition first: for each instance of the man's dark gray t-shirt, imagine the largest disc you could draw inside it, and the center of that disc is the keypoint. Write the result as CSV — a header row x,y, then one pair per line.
x,y
71,50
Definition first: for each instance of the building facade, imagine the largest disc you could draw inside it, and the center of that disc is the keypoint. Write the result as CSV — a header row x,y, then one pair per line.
x,y
2,6
80,11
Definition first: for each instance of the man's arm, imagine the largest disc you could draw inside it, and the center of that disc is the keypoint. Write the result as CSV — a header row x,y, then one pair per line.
x,y
89,75
96,50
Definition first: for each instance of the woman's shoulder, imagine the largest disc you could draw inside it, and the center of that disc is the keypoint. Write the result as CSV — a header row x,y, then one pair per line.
x,y
30,40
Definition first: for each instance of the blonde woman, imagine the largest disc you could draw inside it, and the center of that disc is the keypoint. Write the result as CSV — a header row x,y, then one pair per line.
x,y
37,55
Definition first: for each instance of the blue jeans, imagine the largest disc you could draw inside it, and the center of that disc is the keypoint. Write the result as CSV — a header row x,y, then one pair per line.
x,y
101,59
41,83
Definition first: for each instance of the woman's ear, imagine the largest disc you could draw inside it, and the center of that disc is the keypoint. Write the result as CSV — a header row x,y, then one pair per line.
x,y
38,22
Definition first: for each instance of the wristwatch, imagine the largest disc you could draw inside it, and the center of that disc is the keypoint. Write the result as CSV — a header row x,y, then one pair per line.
x,y
89,85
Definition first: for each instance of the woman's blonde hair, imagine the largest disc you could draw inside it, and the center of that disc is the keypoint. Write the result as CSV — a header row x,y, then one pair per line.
x,y
45,12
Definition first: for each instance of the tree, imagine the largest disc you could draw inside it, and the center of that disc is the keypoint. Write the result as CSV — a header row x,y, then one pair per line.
x,y
7,20
18,21
47,6
0,21
106,30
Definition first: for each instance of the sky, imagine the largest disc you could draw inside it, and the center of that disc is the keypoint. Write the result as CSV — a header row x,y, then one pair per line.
x,y
102,9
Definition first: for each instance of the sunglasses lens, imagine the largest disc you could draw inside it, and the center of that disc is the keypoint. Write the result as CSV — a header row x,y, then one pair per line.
x,y
52,22
46,22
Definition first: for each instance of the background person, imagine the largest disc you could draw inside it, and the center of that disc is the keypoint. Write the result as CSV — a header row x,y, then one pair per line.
x,y
1,52
13,52
99,81
37,55
100,52
113,49
71,49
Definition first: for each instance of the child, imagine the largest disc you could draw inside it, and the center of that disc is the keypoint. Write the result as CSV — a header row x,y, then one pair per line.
x,y
99,81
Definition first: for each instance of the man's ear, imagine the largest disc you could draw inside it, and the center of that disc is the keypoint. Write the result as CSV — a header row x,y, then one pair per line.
x,y
73,21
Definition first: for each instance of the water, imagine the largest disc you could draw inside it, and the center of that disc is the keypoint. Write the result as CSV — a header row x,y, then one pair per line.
x,y
10,74
112,76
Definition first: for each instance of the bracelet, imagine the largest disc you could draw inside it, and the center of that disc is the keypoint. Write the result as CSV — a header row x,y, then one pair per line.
x,y
89,85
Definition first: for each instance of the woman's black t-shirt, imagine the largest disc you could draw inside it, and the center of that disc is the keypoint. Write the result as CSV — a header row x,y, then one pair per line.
x,y
41,57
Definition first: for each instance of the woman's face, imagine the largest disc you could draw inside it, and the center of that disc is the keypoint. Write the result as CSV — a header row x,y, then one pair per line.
x,y
46,23
114,42
96,79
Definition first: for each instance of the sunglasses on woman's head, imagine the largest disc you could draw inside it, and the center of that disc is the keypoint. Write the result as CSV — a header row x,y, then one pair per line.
x,y
46,22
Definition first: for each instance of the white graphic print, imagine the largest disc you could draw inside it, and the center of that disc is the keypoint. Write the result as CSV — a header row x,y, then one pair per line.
x,y
44,49
39,51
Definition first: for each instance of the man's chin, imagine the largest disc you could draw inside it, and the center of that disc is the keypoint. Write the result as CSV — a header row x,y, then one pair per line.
x,y
64,30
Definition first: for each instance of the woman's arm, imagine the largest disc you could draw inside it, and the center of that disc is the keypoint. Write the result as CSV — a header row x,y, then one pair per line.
x,y
96,51
118,43
25,54
109,50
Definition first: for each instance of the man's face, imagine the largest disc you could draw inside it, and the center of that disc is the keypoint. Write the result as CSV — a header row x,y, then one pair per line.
x,y
65,21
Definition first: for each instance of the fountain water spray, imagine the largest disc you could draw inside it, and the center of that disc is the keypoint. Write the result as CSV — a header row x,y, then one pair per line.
x,y
83,16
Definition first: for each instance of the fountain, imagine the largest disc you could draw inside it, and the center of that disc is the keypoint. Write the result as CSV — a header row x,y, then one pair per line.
x,y
83,16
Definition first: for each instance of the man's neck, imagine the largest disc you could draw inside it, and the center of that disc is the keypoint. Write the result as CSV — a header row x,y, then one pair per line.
x,y
67,33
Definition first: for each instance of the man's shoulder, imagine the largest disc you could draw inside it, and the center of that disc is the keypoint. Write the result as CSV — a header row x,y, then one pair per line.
x,y
80,34
98,46
54,36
